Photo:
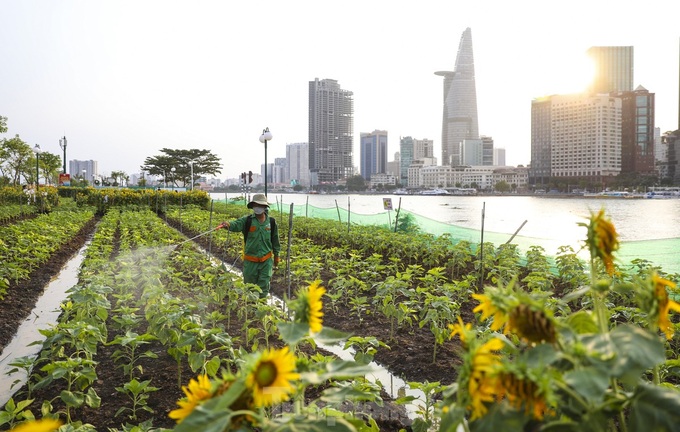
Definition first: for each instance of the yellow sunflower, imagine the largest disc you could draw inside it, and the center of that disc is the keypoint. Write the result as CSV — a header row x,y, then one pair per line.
x,y
196,392
270,379
487,308
532,325
314,306
460,329
44,425
482,384
602,239
665,304
522,392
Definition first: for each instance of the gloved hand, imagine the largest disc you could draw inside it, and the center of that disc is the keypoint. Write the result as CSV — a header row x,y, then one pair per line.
x,y
276,261
224,224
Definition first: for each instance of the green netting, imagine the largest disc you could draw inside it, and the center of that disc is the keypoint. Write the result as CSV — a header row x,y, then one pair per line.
x,y
664,253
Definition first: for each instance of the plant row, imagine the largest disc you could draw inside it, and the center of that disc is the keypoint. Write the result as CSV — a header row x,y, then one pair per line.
x,y
26,245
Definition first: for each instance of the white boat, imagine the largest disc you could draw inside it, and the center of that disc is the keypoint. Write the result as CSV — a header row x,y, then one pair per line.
x,y
435,192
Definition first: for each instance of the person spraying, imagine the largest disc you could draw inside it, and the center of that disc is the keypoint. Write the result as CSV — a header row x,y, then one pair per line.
x,y
261,243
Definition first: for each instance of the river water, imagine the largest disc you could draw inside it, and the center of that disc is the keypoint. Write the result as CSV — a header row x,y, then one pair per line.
x,y
647,227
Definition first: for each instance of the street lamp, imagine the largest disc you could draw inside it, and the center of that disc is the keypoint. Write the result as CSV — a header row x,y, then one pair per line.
x,y
62,144
172,171
36,149
191,162
266,136
84,172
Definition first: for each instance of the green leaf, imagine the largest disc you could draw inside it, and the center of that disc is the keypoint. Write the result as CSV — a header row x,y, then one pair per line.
x,y
654,409
582,322
293,333
576,294
590,382
330,336
501,417
92,399
72,399
212,366
452,420
334,424
637,351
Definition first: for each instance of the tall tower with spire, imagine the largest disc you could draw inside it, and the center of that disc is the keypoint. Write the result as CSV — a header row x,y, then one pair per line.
x,y
460,103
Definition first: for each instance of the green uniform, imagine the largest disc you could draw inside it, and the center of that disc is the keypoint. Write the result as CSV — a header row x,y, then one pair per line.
x,y
259,251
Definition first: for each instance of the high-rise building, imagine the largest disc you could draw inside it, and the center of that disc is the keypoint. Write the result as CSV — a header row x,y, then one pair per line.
x,y
297,155
423,148
583,137
460,102
331,132
539,172
373,157
477,152
394,166
499,156
613,68
87,170
637,131
406,158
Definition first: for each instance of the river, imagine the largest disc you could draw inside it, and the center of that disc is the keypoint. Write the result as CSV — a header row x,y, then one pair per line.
x,y
648,227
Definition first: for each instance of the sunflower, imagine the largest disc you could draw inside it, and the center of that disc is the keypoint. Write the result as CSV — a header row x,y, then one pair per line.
x,y
602,239
44,425
270,378
531,324
665,304
521,391
196,392
487,308
482,383
315,305
460,329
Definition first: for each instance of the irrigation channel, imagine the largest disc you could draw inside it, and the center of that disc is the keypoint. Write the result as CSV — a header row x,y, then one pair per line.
x,y
46,313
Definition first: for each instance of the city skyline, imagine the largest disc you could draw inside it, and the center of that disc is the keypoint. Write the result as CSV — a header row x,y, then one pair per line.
x,y
121,80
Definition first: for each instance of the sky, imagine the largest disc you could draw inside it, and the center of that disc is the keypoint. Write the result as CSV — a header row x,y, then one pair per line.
x,y
123,79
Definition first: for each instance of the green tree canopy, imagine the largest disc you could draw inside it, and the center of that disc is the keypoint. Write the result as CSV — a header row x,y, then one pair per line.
x,y
17,161
162,165
356,183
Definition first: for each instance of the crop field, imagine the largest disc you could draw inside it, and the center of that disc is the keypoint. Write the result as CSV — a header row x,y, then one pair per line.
x,y
160,334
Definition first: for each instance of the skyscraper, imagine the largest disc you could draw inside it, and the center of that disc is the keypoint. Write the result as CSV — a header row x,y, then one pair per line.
x,y
613,68
331,131
637,131
406,149
297,155
460,102
373,148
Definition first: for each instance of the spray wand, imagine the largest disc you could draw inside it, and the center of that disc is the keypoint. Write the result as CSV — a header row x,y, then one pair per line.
x,y
220,226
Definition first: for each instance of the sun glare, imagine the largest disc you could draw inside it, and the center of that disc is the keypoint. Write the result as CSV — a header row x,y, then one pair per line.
x,y
572,76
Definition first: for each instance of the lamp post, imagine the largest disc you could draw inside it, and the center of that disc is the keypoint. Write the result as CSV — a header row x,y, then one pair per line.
x,y
266,136
191,162
165,181
84,172
62,144
36,149
172,170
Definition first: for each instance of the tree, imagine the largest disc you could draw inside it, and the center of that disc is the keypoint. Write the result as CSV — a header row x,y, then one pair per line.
x,y
356,184
17,161
3,124
118,177
204,162
50,167
502,186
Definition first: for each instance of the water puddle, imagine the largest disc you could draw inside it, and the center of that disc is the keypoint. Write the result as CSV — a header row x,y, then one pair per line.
x,y
44,315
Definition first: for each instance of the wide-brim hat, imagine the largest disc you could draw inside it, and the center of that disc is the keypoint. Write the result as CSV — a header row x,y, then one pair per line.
x,y
260,199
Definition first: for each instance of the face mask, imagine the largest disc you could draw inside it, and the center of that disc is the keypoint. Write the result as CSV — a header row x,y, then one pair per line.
x,y
258,210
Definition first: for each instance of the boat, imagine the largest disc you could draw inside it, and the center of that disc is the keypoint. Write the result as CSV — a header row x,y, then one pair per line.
x,y
435,192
